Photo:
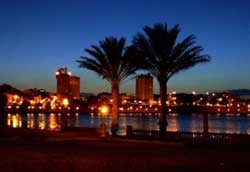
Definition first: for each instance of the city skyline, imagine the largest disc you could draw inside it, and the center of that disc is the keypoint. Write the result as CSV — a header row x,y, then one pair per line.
x,y
39,37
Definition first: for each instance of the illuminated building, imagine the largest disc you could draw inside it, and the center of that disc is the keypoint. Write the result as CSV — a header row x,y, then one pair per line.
x,y
68,86
144,87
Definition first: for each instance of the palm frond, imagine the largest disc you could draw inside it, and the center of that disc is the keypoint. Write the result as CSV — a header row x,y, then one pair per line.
x,y
110,59
162,55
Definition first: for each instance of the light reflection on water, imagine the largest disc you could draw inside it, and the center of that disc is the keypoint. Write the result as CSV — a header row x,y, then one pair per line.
x,y
229,123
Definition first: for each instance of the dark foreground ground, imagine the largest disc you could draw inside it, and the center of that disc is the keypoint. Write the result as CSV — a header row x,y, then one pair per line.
x,y
75,152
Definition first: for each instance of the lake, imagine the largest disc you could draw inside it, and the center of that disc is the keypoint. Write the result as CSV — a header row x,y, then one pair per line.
x,y
218,123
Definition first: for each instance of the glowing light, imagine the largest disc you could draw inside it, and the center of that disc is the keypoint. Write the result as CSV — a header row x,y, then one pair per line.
x,y
65,102
42,101
193,92
15,97
15,121
77,108
52,121
69,73
52,103
104,109
32,102
30,120
9,107
41,121
57,73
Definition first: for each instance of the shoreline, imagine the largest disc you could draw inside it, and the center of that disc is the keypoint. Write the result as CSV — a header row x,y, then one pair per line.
x,y
212,111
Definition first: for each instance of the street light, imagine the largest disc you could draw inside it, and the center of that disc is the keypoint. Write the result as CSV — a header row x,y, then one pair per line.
x,y
104,109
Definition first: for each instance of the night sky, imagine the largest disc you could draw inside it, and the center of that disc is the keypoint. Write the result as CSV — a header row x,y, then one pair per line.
x,y
39,36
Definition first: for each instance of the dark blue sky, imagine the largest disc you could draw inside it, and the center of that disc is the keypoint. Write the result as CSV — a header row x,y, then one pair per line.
x,y
39,36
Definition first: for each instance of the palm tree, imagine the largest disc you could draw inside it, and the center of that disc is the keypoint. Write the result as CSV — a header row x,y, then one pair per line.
x,y
164,57
110,60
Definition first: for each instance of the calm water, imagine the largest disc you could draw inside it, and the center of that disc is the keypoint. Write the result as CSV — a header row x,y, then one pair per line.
x,y
218,123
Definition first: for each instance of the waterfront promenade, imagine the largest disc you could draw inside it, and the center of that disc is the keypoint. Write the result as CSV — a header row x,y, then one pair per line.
x,y
33,150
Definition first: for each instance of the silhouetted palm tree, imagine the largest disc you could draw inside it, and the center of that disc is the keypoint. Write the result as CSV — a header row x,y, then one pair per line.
x,y
164,57
111,60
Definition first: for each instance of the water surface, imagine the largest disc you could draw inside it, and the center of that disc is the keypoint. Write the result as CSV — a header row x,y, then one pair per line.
x,y
218,123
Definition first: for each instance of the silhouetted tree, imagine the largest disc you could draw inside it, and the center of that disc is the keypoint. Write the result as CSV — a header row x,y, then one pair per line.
x,y
213,101
24,105
3,101
185,98
110,60
225,101
165,57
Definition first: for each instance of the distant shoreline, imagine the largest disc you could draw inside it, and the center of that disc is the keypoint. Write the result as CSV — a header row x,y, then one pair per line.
x,y
202,110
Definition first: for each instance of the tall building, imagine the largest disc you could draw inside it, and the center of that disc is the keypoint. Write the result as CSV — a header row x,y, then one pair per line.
x,y
144,87
68,86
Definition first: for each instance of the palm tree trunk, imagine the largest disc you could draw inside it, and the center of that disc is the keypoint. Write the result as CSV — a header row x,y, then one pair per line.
x,y
163,110
115,97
